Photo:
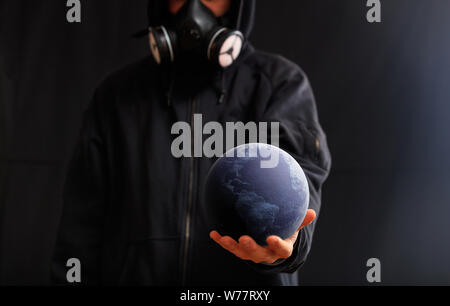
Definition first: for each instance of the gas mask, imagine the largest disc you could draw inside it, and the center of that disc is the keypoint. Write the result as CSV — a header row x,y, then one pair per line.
x,y
195,32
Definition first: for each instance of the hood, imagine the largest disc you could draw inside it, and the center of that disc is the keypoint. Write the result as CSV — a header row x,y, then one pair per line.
x,y
242,14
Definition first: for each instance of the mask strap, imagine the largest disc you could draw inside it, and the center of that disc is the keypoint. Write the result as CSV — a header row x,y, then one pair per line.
x,y
239,20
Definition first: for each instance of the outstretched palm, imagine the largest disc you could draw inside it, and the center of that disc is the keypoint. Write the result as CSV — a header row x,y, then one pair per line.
x,y
276,248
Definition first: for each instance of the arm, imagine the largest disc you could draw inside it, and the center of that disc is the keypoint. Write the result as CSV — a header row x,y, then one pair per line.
x,y
292,104
80,231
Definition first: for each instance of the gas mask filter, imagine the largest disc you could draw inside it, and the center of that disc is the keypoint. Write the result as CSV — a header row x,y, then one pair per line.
x,y
195,31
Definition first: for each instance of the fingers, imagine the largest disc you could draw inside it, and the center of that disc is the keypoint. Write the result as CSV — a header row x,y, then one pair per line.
x,y
246,249
231,245
226,242
256,253
214,235
248,244
283,249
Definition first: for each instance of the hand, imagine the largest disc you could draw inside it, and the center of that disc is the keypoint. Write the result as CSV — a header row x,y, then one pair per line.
x,y
248,249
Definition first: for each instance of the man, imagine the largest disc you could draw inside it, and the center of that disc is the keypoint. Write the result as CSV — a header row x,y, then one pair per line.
x,y
133,213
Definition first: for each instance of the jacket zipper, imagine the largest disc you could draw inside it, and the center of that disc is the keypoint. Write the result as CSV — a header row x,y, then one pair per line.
x,y
190,200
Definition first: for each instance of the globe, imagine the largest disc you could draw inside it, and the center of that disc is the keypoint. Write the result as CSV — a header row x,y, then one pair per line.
x,y
257,190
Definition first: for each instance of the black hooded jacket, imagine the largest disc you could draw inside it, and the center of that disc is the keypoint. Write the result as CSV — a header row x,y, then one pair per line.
x,y
133,214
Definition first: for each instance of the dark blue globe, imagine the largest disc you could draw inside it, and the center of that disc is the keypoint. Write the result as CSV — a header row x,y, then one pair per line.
x,y
257,190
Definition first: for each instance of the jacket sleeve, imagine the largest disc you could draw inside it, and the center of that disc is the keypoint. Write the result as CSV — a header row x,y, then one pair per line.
x,y
81,225
292,104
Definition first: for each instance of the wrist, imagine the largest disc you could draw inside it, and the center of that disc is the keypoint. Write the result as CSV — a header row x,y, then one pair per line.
x,y
275,263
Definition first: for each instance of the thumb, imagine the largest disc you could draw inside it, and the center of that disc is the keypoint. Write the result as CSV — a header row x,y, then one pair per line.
x,y
309,218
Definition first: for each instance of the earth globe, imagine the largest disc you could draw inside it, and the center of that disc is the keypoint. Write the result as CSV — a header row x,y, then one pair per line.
x,y
258,190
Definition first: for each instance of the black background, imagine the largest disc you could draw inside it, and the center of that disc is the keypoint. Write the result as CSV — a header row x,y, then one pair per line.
x,y
383,97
